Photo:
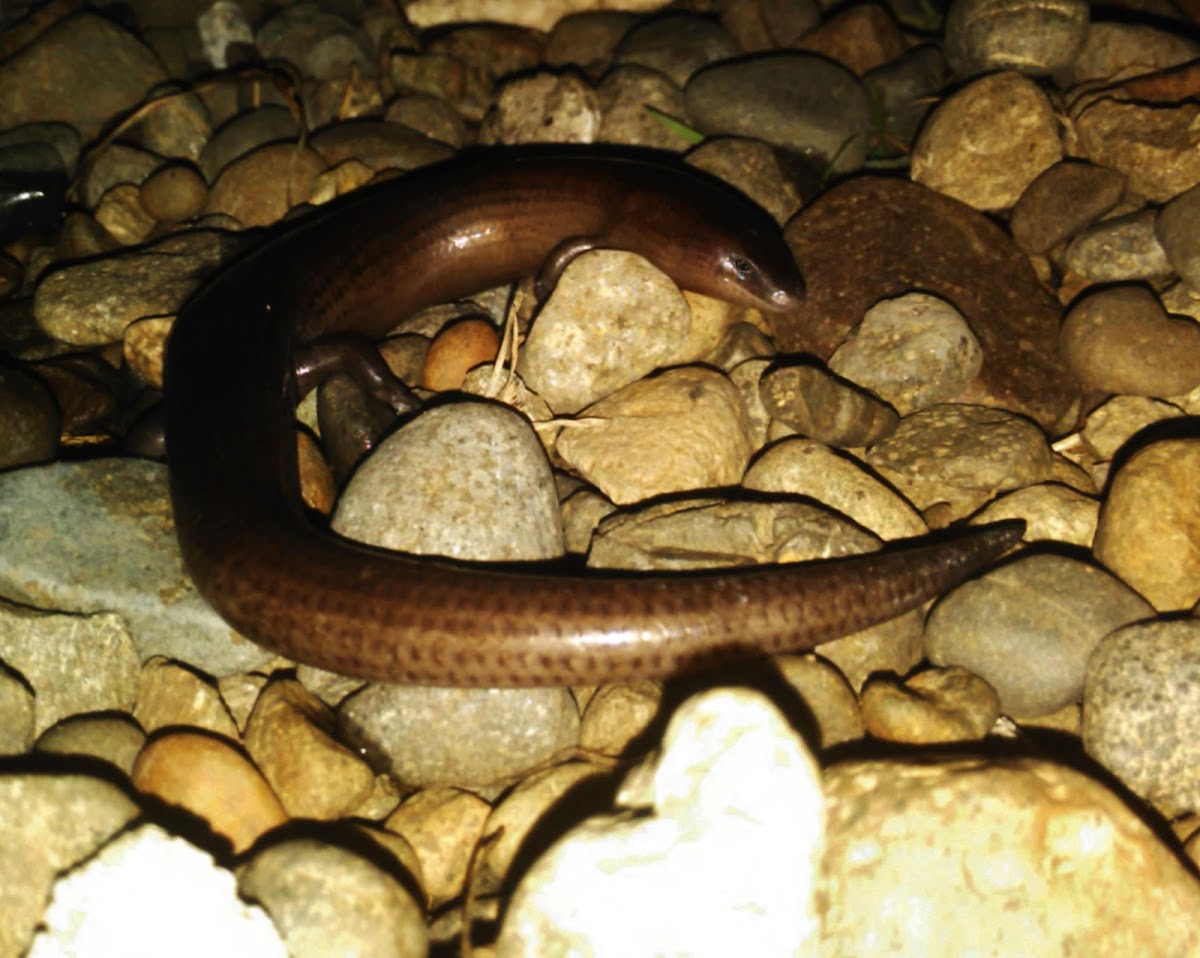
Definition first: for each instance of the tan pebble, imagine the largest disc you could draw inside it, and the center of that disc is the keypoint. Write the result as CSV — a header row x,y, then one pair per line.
x,y
174,193
212,779
617,714
112,736
1150,526
120,212
239,693
827,695
443,825
316,479
289,734
457,349
169,694
526,805
938,705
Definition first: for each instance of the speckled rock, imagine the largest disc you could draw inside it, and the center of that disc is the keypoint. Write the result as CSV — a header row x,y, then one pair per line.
x,y
1121,340
613,319
102,904
914,351
466,511
678,431
961,455
1120,249
327,900
543,107
617,714
1149,525
1174,231
686,873
48,823
1052,512
479,737
1116,421
827,697
92,303
807,468
17,716
624,94
1140,707
934,706
1028,628
1016,856
73,664
987,142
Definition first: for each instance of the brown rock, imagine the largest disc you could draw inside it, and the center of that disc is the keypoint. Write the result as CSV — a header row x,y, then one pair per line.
x,y
1064,199
212,779
457,349
872,238
259,188
1121,340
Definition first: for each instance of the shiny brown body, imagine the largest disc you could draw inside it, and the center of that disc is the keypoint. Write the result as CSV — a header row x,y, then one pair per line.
x,y
434,235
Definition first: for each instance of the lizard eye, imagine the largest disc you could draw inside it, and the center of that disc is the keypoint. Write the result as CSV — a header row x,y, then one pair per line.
x,y
742,267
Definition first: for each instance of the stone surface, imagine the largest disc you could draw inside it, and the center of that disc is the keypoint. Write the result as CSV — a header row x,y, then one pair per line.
x,y
1140,707
934,706
871,238
1119,249
443,826
1062,200
1028,628
716,862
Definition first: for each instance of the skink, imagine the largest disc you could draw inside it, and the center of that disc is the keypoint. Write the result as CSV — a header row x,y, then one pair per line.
x,y
436,234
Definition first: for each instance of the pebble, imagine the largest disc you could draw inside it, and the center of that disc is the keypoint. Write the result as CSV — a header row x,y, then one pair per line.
x,y
84,70
961,455
827,698
482,738
683,429
1149,525
1053,512
1174,229
499,464
987,142
17,714
907,88
1117,420
259,188
290,736
318,42
443,826
72,663
619,715
174,193
1120,249
797,101
29,418
1061,201
819,405
131,564
328,900
934,706
102,905
368,146
1028,627
92,303
114,737
170,695
1121,340
1016,856
913,351
49,822
624,94
871,238
808,468
859,37
1031,37
1152,145
213,780
613,318
579,785
733,787
677,45
457,349
244,133
1115,47
1140,707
